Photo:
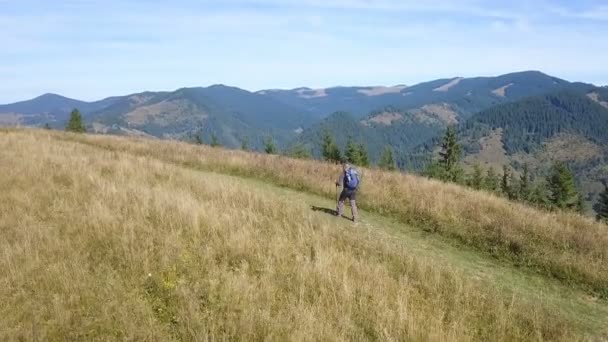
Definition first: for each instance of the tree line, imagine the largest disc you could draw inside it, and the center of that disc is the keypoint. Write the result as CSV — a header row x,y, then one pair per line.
x,y
529,122
556,191
354,153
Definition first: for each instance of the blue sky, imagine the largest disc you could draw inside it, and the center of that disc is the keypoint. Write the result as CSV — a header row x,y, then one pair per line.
x,y
89,49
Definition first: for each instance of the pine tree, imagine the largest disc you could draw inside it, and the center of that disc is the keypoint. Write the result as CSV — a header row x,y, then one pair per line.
x,y
538,196
477,179
330,149
363,156
562,188
245,144
513,187
214,141
269,146
387,161
435,170
75,124
450,156
300,151
352,153
47,126
580,205
524,184
601,207
504,185
491,181
198,139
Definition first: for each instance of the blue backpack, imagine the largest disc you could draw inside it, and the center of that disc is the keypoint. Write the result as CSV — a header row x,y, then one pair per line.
x,y
351,179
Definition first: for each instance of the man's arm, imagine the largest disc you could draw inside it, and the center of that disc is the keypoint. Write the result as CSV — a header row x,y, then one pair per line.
x,y
340,179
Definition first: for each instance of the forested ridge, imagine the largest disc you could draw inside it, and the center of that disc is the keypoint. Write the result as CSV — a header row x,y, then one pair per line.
x,y
529,122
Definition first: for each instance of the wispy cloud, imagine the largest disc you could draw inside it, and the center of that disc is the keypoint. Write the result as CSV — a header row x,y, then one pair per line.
x,y
92,48
597,12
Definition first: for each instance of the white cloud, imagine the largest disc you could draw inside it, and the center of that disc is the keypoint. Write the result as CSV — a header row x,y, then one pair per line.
x,y
594,13
91,49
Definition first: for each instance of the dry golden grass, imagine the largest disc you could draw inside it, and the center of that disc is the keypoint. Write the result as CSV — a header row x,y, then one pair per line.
x,y
124,243
566,246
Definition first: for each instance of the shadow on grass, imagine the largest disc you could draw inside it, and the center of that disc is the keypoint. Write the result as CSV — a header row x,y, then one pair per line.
x,y
328,211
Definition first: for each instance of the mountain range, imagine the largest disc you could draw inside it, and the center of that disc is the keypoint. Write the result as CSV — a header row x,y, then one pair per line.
x,y
234,114
504,120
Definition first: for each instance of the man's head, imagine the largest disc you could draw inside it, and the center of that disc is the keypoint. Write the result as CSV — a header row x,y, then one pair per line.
x,y
345,165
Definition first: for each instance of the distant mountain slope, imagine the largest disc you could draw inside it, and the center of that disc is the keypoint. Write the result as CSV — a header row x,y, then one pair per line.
x,y
569,126
400,116
463,96
232,114
47,108
416,114
531,121
388,127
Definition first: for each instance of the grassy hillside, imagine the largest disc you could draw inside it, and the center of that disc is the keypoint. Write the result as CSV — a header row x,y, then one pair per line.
x,y
114,238
563,245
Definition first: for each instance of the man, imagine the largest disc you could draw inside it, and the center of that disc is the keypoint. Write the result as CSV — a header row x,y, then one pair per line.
x,y
349,180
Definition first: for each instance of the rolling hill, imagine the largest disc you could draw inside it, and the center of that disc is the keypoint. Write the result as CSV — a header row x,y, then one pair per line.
x,y
388,127
234,114
490,110
107,237
569,126
48,108
417,114
461,96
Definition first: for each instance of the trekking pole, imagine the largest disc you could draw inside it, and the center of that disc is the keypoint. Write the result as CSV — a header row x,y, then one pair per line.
x,y
337,195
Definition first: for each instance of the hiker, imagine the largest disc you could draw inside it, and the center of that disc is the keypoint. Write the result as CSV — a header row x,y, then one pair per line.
x,y
349,180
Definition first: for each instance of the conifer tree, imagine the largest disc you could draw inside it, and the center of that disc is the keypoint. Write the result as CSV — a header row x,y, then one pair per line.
x,y
269,146
435,170
504,185
562,188
352,153
450,156
477,180
214,141
75,124
329,148
300,151
524,184
363,156
538,195
491,180
513,187
198,139
601,207
245,144
47,126
387,161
